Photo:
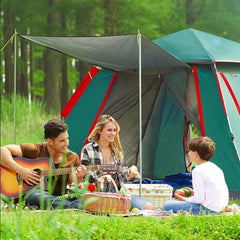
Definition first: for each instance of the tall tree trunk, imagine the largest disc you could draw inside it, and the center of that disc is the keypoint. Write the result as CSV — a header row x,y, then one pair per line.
x,y
64,85
82,68
110,17
84,27
23,80
8,51
52,68
52,63
190,12
31,78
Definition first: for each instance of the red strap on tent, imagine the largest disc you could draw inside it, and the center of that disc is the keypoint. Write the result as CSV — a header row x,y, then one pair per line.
x,y
199,99
231,92
78,93
220,92
101,106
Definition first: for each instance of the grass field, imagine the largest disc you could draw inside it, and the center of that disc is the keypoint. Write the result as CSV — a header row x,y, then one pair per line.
x,y
69,224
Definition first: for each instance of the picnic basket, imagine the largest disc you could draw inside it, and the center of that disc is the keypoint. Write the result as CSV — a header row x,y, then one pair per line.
x,y
106,202
158,194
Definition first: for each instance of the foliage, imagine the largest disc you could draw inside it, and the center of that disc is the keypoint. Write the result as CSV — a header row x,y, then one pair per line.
x,y
153,18
29,120
70,224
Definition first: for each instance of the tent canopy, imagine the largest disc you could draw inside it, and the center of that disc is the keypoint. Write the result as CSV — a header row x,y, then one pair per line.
x,y
117,53
193,46
121,53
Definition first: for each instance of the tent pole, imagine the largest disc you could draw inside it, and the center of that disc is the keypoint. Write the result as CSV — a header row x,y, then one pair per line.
x,y
15,87
140,111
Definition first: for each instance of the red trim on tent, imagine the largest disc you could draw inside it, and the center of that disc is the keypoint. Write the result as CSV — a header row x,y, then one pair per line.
x,y
79,91
231,92
101,106
199,99
220,92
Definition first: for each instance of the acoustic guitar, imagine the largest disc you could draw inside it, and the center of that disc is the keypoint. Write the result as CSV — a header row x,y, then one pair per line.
x,y
12,185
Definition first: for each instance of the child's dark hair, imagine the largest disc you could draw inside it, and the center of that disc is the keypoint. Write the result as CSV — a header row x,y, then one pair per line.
x,y
53,128
204,146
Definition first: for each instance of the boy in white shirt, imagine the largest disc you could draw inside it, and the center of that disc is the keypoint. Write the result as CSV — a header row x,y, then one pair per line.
x,y
210,192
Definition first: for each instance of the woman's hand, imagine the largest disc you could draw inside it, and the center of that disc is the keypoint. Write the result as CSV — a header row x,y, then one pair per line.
x,y
132,172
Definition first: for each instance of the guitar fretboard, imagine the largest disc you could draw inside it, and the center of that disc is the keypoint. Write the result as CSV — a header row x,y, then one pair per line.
x,y
61,171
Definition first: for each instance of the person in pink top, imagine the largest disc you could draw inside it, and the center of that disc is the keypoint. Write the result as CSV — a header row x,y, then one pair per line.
x,y
210,192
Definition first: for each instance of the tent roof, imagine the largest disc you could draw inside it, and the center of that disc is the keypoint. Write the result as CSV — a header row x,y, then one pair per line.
x,y
193,46
118,53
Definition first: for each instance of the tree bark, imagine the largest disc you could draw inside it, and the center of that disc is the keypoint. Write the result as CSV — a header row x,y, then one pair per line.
x,y
31,78
52,68
110,17
190,12
8,51
52,63
64,85
23,80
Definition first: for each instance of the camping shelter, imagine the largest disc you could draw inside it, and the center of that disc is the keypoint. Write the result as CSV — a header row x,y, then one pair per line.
x,y
114,90
216,66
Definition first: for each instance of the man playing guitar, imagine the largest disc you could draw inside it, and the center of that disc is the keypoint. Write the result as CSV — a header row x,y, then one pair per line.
x,y
56,135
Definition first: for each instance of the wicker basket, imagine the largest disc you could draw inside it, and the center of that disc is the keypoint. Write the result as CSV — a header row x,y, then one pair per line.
x,y
105,202
158,194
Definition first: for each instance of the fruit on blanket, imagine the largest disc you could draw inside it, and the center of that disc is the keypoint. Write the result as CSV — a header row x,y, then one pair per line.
x,y
186,192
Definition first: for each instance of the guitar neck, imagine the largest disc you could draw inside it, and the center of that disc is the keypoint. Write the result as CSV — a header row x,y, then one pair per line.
x,y
62,171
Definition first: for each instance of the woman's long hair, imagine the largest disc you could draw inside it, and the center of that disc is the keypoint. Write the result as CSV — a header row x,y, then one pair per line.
x,y
115,145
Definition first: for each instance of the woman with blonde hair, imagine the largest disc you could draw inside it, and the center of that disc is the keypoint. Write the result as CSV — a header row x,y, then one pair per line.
x,y
115,145
104,147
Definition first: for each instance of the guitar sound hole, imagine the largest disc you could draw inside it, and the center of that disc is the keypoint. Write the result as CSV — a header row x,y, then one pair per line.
x,y
39,171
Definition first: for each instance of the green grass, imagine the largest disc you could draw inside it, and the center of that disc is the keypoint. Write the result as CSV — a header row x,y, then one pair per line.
x,y
70,224
29,121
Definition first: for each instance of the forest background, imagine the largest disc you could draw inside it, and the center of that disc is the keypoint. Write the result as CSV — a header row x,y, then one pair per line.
x,y
52,77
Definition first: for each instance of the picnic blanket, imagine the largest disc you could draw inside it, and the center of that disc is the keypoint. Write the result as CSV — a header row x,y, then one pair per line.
x,y
176,180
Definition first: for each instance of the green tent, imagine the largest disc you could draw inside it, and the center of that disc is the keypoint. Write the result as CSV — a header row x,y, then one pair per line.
x,y
114,90
216,71
172,97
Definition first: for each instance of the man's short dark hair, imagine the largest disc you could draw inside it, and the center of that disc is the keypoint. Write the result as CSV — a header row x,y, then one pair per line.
x,y
53,128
